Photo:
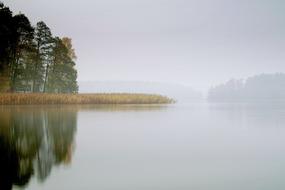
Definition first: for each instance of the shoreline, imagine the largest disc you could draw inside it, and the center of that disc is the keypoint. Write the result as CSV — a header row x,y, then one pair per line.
x,y
82,99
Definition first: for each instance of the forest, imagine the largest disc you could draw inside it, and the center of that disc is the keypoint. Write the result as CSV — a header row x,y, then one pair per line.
x,y
258,87
32,59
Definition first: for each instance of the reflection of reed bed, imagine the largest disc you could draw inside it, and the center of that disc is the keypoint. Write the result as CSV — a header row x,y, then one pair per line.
x,y
98,98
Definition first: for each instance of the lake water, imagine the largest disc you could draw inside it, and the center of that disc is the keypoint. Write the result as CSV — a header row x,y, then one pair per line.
x,y
199,146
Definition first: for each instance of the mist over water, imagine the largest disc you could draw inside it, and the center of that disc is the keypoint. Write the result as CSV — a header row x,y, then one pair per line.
x,y
33,140
195,43
222,61
180,93
200,145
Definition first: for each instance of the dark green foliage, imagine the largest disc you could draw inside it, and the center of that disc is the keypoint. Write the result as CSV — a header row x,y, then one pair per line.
x,y
62,75
6,24
44,48
31,59
6,45
21,46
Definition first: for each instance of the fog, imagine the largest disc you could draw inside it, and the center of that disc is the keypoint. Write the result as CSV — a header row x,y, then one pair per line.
x,y
216,121
192,43
180,93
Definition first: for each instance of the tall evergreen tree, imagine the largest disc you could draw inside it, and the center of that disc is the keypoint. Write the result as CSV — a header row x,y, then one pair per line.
x,y
22,44
5,46
31,59
16,37
62,78
44,46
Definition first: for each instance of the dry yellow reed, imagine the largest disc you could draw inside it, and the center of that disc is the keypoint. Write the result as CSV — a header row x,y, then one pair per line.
x,y
97,98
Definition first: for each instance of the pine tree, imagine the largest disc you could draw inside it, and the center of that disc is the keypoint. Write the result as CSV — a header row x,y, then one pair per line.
x,y
31,59
5,46
44,46
15,39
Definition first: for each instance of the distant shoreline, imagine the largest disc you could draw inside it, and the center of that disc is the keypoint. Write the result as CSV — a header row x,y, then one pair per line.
x,y
77,99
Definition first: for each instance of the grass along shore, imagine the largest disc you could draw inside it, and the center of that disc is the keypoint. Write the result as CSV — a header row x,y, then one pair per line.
x,y
96,98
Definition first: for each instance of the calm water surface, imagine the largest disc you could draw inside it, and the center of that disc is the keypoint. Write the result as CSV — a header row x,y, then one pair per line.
x,y
199,146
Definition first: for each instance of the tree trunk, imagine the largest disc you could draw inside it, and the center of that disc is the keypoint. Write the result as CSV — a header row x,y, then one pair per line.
x,y
46,78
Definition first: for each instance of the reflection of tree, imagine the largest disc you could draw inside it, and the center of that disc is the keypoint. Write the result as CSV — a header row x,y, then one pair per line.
x,y
32,141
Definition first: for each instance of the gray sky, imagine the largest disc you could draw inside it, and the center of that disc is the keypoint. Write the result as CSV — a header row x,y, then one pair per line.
x,y
197,43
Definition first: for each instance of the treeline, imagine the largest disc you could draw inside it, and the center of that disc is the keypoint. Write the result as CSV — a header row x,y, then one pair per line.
x,y
32,59
259,87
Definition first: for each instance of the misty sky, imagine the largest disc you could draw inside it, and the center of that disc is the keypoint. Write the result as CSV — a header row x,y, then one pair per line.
x,y
198,43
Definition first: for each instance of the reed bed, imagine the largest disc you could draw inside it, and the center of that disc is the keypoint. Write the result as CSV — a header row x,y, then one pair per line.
x,y
96,98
